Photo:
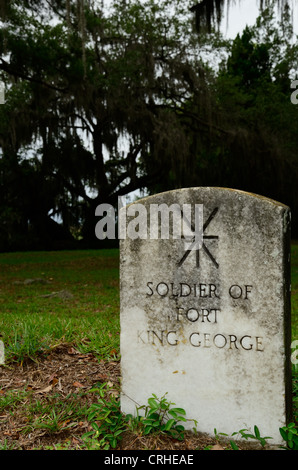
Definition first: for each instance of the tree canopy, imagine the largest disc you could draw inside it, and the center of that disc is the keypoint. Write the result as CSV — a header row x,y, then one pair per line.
x,y
101,102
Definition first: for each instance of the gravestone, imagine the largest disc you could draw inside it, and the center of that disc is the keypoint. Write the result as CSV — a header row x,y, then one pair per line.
x,y
209,324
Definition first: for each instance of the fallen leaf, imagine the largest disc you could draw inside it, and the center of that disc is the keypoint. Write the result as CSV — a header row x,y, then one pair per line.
x,y
45,390
13,433
83,424
59,385
88,356
103,377
217,447
53,377
78,385
72,351
75,441
63,424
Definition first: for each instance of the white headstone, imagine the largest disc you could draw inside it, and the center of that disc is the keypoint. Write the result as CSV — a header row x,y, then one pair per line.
x,y
210,326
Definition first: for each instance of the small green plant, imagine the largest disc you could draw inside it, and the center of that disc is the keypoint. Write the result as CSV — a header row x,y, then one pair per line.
x,y
217,437
234,445
246,434
161,416
290,435
106,420
218,434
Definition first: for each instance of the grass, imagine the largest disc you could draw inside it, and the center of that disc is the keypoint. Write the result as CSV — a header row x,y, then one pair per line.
x,y
51,297
70,298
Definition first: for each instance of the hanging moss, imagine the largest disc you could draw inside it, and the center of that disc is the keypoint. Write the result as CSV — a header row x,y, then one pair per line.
x,y
208,13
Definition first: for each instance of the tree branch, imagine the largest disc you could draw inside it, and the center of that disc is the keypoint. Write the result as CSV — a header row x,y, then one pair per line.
x,y
6,67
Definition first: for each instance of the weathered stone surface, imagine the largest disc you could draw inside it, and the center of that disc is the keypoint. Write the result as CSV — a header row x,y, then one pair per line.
x,y
211,327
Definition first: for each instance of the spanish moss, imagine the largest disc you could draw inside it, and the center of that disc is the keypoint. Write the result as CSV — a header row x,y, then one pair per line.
x,y
209,13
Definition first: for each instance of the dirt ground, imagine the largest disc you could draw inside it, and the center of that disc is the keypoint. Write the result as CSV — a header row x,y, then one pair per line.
x,y
64,372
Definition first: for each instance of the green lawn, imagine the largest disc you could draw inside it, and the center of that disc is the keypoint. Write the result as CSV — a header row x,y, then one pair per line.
x,y
52,297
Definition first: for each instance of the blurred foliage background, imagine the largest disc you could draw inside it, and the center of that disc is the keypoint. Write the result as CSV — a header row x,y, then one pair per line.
x,y
137,97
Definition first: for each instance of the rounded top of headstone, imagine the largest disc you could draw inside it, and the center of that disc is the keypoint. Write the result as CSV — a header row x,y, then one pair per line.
x,y
206,192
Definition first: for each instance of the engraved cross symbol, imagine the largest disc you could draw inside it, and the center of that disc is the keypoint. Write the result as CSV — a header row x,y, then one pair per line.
x,y
205,237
